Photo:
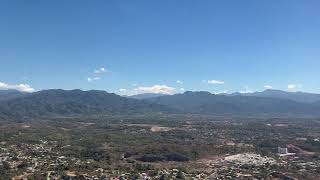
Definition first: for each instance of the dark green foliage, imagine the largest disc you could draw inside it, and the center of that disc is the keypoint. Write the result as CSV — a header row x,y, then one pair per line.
x,y
176,157
180,175
75,102
207,103
11,94
150,158
166,157
294,96
145,96
163,177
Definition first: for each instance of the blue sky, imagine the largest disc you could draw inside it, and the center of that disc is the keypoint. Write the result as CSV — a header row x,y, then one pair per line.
x,y
209,45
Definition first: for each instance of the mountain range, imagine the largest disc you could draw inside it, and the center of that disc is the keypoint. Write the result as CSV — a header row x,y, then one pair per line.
x,y
295,96
146,95
207,103
75,102
10,94
57,102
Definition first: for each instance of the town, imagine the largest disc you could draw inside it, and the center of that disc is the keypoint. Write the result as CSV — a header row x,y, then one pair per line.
x,y
210,148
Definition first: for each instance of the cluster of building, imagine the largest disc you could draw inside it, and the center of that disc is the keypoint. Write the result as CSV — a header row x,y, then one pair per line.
x,y
242,166
255,166
250,159
45,158
27,159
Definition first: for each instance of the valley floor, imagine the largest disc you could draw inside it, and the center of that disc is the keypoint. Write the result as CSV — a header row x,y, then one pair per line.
x,y
160,147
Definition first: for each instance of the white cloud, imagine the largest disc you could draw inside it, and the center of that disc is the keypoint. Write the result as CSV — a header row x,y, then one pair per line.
x,y
158,89
161,89
97,74
93,79
182,89
293,87
100,70
122,92
221,92
179,82
215,82
245,91
268,87
19,87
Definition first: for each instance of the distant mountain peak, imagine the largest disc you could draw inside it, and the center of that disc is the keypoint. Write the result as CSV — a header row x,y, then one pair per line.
x,y
280,94
244,104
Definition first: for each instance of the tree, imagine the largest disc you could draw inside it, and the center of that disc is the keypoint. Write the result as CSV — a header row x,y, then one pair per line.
x,y
180,175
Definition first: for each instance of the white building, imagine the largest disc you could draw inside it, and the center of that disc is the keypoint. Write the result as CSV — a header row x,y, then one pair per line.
x,y
282,150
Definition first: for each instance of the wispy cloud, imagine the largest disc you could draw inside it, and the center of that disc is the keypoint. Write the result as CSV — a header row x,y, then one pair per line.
x,y
246,90
93,79
18,87
292,87
268,87
221,92
97,73
215,82
100,70
179,82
